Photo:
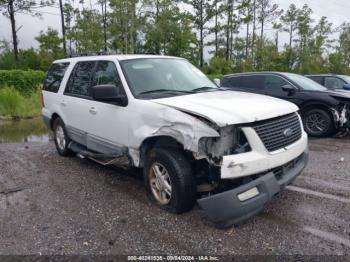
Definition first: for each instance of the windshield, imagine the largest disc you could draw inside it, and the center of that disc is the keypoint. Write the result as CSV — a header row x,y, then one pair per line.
x,y
346,78
305,83
165,76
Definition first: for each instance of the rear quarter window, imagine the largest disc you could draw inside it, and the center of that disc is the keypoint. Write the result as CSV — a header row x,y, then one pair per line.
x,y
54,77
233,81
318,79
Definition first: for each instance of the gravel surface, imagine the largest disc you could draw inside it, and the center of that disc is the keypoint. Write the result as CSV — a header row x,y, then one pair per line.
x,y
55,205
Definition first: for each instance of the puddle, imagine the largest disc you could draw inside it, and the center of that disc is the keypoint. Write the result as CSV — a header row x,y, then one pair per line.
x,y
19,131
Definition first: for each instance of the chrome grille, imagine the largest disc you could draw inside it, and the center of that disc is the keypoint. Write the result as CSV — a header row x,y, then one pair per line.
x,y
279,132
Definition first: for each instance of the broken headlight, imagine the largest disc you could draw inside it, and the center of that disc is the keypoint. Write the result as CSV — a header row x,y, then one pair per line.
x,y
231,141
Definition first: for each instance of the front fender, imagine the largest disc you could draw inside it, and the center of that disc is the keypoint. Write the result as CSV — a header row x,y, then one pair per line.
x,y
166,121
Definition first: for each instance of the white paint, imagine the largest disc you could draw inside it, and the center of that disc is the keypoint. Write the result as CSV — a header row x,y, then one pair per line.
x,y
318,194
141,119
259,159
230,107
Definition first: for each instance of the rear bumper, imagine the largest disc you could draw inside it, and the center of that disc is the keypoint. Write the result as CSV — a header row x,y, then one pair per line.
x,y
225,209
47,121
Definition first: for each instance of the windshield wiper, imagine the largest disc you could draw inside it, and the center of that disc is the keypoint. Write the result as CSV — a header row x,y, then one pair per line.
x,y
207,88
165,90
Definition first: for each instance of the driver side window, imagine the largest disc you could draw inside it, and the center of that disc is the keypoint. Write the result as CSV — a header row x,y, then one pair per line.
x,y
274,84
334,82
106,74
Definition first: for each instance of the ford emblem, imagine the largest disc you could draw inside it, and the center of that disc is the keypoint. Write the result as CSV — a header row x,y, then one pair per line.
x,y
288,132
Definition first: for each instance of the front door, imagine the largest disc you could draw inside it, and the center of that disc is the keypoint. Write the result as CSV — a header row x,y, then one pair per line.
x,y
273,87
108,123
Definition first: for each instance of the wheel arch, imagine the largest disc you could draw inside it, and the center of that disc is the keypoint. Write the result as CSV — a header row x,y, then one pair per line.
x,y
315,105
157,141
53,118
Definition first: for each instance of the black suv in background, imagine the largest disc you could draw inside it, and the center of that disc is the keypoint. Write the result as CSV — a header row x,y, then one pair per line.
x,y
324,112
331,81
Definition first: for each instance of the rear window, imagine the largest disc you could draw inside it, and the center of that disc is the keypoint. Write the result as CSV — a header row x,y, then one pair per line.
x,y
54,77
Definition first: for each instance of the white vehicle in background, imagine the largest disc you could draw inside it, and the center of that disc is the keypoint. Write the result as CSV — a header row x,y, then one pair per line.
x,y
230,151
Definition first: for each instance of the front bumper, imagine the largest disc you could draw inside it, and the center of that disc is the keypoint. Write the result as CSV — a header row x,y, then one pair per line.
x,y
258,159
225,209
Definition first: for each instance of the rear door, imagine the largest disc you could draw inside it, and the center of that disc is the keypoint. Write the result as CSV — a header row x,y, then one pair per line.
x,y
76,101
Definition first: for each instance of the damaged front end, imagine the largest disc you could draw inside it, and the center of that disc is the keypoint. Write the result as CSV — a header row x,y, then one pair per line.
x,y
232,206
341,117
230,142
243,175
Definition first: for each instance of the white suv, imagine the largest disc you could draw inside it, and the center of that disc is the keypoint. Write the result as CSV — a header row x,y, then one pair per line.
x,y
230,151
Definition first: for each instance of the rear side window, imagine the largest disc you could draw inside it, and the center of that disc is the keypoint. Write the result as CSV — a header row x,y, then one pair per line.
x,y
318,79
80,79
54,77
253,82
231,82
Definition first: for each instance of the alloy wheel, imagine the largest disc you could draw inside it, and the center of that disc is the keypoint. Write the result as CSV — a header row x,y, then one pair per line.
x,y
160,183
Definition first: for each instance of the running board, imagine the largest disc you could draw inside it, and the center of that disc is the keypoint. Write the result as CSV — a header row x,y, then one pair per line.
x,y
119,159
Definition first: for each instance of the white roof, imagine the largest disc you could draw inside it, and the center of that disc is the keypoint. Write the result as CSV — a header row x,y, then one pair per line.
x,y
108,57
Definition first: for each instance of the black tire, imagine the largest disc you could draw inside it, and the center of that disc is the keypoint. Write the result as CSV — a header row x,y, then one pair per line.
x,y
62,149
325,126
183,187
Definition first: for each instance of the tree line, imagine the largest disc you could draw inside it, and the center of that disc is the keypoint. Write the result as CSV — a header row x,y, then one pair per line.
x,y
220,36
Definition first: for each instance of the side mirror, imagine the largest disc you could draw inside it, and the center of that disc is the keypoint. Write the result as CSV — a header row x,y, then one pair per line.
x,y
289,89
346,86
217,81
108,94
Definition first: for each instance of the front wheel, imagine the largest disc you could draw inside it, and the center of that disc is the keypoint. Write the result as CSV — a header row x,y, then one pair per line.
x,y
169,181
318,123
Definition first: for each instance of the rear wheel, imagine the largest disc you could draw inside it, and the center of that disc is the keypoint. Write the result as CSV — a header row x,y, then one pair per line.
x,y
318,123
169,181
61,138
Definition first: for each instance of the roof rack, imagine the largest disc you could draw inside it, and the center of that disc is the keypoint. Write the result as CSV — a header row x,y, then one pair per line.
x,y
89,54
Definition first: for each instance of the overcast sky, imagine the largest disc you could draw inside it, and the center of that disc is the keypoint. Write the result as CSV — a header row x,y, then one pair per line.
x,y
337,12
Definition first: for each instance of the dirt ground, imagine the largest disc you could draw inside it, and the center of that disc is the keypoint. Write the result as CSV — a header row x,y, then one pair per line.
x,y
55,205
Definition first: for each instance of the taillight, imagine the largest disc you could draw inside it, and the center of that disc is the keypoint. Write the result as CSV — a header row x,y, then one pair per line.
x,y
42,98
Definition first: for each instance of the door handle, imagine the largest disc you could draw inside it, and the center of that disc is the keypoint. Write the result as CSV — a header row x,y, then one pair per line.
x,y
93,110
64,103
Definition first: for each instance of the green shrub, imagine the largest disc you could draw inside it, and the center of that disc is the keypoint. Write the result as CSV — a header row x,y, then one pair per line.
x,y
31,105
24,81
213,76
13,104
10,100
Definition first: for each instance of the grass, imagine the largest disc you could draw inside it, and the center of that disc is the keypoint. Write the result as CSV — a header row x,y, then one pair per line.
x,y
15,105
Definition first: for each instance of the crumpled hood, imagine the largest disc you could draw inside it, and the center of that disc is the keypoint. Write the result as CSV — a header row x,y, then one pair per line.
x,y
229,107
